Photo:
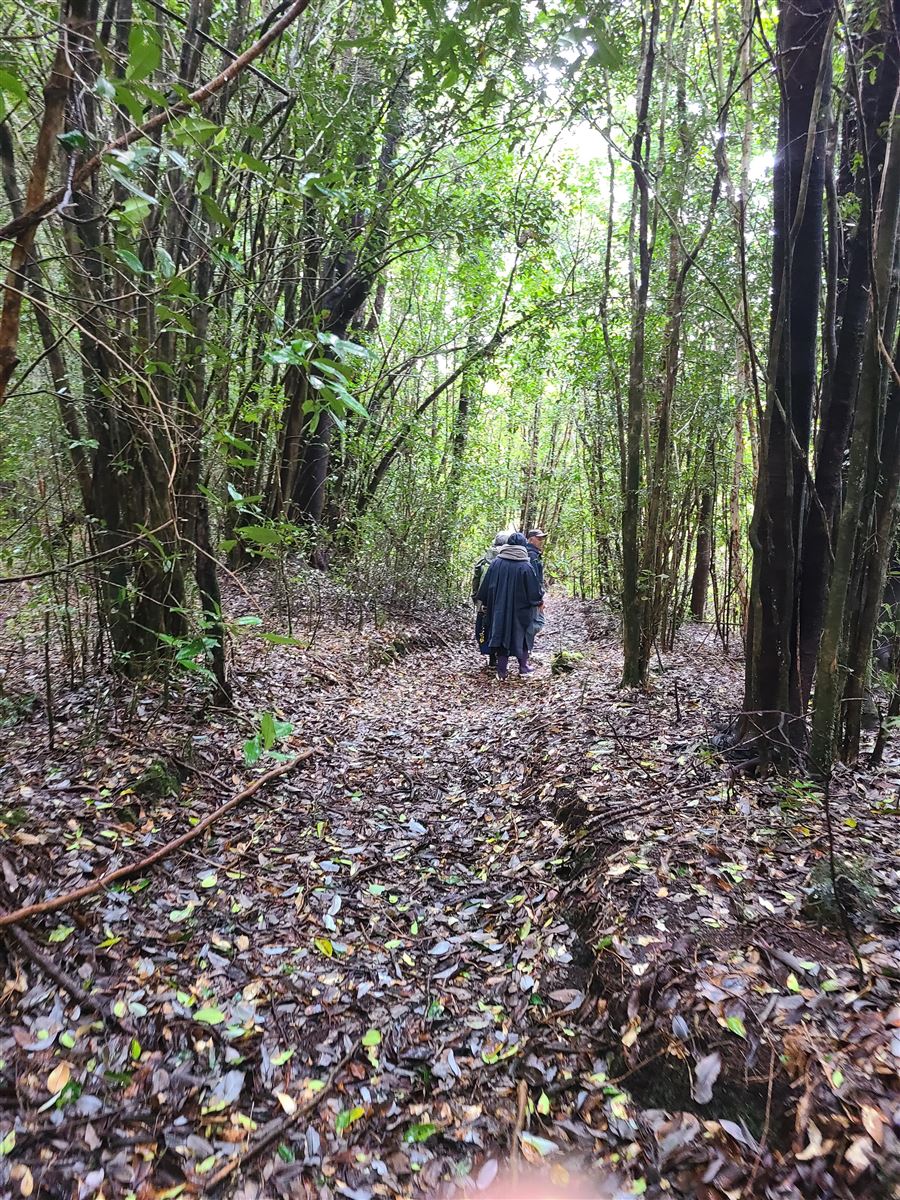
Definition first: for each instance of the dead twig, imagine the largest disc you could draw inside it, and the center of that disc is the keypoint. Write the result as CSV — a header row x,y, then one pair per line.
x,y
521,1106
57,974
99,885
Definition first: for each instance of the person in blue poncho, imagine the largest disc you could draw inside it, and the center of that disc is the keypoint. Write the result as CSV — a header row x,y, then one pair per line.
x,y
510,592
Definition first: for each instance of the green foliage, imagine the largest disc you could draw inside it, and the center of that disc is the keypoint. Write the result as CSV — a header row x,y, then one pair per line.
x,y
263,743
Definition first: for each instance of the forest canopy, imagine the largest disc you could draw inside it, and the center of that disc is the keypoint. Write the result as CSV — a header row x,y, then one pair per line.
x,y
343,346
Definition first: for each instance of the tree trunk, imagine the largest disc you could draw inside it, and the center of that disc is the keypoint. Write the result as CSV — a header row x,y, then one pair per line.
x,y
842,380
703,560
862,475
772,700
636,654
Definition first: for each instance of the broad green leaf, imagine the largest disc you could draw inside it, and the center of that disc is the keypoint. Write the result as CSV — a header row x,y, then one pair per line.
x,y
144,50
736,1025
264,535
60,933
210,1015
372,1037
267,730
131,260
346,1118
74,139
420,1133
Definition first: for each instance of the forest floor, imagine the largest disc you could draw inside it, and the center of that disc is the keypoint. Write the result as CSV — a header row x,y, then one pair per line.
x,y
487,938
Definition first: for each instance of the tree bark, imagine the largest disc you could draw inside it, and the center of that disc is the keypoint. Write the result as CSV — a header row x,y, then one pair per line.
x,y
772,699
633,591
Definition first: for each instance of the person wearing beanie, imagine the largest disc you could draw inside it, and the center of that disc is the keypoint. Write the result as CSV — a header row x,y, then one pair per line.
x,y
509,592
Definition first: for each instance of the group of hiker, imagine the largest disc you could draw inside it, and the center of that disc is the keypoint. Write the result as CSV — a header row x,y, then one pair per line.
x,y
508,594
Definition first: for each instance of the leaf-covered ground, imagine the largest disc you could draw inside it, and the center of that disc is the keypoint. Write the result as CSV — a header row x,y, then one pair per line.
x,y
486,933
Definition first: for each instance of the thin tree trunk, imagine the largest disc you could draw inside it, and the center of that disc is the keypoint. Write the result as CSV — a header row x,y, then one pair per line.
x,y
635,665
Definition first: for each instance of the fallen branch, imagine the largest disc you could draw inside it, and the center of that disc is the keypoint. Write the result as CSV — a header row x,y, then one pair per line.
x,y
98,885
275,1130
57,974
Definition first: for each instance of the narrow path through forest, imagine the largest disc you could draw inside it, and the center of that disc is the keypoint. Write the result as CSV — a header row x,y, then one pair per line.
x,y
524,928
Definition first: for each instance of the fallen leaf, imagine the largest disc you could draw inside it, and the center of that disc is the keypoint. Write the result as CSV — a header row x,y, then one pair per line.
x,y
209,1015
706,1072
487,1174
59,1077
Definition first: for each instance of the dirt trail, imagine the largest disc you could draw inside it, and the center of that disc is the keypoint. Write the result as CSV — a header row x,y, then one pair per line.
x,y
548,933
402,891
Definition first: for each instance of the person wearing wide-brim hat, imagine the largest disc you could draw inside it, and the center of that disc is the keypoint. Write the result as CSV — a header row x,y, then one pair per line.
x,y
536,539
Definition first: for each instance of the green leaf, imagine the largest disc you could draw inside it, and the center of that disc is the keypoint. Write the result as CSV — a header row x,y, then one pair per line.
x,y
8,1144
134,211
420,1133
543,1145
10,86
74,139
164,262
324,946
267,730
209,880
265,535
279,1059
104,88
736,1025
372,1037
130,186
543,1104
67,1039
282,639
837,1077
346,1118
285,1153
209,1015
61,932
144,50
131,260
181,914
207,1165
